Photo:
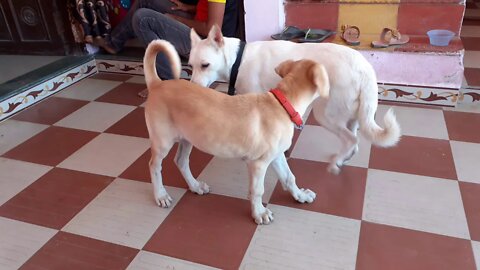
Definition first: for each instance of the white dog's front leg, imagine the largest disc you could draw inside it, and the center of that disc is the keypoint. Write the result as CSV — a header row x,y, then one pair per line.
x,y
287,179
161,196
260,213
182,160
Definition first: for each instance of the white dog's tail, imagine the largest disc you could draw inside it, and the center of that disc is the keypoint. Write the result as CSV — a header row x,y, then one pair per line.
x,y
150,58
384,137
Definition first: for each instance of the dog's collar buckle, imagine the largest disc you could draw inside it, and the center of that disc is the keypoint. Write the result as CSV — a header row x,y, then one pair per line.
x,y
295,117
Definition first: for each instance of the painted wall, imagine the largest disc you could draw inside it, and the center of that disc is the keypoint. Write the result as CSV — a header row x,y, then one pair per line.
x,y
263,18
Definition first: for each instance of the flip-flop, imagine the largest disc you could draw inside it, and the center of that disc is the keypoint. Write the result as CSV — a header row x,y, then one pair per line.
x,y
390,37
351,34
289,33
315,35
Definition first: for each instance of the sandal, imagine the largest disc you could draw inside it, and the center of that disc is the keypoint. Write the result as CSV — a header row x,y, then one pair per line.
x,y
315,35
289,33
351,34
390,37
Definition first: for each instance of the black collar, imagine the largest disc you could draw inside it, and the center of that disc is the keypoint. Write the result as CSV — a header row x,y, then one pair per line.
x,y
235,67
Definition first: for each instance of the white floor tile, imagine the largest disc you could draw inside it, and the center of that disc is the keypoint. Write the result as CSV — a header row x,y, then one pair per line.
x,y
124,213
300,239
88,89
415,202
230,177
428,123
17,175
95,116
472,59
476,253
137,79
13,133
107,154
470,31
151,261
466,157
19,241
318,144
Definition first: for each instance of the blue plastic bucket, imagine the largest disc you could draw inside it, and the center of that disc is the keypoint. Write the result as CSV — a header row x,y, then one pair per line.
x,y
440,37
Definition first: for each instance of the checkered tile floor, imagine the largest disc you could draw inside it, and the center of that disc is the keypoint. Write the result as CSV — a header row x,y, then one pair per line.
x,y
75,194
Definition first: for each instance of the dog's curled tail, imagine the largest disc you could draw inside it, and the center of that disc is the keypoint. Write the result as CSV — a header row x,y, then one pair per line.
x,y
150,57
384,137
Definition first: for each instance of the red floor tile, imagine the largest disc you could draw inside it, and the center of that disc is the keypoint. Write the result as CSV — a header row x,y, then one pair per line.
x,y
416,155
471,43
171,175
131,125
384,247
212,229
471,196
50,110
472,75
55,198
51,146
463,126
70,251
126,93
111,76
340,195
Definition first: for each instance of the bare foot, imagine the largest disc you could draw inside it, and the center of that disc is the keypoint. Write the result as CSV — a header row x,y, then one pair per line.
x,y
102,43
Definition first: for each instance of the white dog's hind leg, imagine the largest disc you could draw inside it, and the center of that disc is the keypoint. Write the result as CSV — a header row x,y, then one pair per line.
x,y
287,179
182,160
349,143
161,196
257,170
352,125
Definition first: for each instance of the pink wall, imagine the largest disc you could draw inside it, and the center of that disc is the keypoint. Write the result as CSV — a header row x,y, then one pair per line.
x,y
263,18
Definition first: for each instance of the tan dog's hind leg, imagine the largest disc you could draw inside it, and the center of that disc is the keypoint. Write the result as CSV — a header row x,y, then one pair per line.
x,y
257,170
287,179
161,196
182,160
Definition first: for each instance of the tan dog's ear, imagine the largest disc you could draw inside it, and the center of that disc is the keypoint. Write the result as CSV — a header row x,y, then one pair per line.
x,y
284,68
194,38
216,36
319,77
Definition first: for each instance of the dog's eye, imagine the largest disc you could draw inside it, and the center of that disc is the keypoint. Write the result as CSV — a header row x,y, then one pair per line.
x,y
205,65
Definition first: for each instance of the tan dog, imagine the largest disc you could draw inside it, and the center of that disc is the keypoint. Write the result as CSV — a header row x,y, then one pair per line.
x,y
254,127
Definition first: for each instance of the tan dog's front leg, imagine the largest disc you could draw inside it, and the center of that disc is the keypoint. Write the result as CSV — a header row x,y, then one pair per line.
x,y
287,179
257,170
182,160
160,193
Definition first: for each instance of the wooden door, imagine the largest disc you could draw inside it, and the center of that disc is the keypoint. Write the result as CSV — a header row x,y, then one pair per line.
x,y
34,27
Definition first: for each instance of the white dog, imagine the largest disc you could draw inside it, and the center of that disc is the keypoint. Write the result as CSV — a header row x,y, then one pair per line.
x,y
353,97
256,127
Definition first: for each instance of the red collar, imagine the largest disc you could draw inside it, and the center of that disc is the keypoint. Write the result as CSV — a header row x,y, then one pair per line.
x,y
294,115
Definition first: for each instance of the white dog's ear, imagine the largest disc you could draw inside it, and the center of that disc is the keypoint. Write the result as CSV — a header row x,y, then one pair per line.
x,y
216,36
194,38
284,68
319,77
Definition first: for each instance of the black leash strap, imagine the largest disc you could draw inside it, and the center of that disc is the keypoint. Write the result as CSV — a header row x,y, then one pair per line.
x,y
235,67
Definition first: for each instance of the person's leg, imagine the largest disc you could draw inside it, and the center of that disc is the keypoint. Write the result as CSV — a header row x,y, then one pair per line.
x,y
124,30
150,25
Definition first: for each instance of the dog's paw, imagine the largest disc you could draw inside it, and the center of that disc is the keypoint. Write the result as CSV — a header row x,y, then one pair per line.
x,y
163,199
305,196
200,188
263,217
333,168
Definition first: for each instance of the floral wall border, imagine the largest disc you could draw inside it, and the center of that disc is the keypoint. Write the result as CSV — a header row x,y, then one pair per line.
x,y
423,95
131,67
41,91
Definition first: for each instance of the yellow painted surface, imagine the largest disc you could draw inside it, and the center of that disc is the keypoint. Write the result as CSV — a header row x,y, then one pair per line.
x,y
370,18
371,1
